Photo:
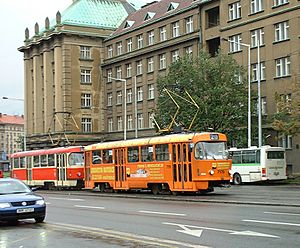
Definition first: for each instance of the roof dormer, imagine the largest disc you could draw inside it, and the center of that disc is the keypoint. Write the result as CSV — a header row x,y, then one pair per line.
x,y
172,6
149,16
128,24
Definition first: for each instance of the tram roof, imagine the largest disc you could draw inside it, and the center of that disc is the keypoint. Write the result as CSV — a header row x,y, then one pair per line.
x,y
172,138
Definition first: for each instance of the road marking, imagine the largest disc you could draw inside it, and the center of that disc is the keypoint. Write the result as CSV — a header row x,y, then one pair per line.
x,y
273,222
136,238
66,199
161,213
244,233
92,207
292,214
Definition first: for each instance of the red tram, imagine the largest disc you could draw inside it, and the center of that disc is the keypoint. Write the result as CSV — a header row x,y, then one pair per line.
x,y
61,167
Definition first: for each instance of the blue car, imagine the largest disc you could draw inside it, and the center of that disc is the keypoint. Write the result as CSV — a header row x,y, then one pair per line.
x,y
18,201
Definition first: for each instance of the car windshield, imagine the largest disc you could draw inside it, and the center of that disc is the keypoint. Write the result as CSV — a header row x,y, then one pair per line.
x,y
211,150
13,187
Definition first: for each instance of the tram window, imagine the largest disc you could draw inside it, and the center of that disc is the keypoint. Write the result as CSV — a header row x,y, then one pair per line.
x,y
16,163
162,152
76,158
199,154
97,157
147,153
107,156
44,161
22,162
36,161
51,160
133,154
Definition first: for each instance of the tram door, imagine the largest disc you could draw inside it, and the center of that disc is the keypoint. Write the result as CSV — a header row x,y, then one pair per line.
x,y
182,167
120,169
28,163
61,169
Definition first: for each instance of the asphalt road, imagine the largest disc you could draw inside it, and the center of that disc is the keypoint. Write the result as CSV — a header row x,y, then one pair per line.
x,y
84,219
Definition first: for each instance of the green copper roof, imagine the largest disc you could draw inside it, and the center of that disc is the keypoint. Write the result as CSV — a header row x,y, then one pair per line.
x,y
96,13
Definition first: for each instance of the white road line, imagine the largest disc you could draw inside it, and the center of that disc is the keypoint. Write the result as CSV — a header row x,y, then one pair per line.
x,y
92,207
273,222
66,199
160,213
278,213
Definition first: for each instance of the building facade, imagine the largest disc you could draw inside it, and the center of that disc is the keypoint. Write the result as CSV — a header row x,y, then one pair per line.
x,y
128,59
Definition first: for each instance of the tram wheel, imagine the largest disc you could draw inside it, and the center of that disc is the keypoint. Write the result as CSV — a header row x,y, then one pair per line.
x,y
155,189
237,179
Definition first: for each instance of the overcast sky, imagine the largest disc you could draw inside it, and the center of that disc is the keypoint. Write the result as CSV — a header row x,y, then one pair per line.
x,y
15,16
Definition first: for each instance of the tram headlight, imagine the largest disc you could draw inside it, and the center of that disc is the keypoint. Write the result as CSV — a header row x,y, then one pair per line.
x,y
211,172
78,174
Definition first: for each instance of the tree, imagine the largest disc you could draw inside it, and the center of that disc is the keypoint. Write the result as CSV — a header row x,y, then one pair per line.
x,y
287,119
215,85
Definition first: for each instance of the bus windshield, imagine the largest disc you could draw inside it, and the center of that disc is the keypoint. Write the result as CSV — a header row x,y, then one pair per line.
x,y
76,158
211,150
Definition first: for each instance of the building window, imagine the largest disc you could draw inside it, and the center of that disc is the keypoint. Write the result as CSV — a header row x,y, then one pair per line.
x,y
162,61
86,100
234,11
86,125
150,120
109,99
139,67
109,75
128,70
129,96
150,91
129,122
257,35
109,51
285,141
120,123
175,55
150,66
254,70
283,67
150,38
189,50
175,29
234,43
279,2
119,72
129,44
281,31
140,120
119,97
85,76
256,6
163,33
85,52
119,48
139,41
110,124
264,106
189,26
140,93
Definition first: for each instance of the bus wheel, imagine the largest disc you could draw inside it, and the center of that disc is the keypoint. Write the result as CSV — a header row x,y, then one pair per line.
x,y
237,180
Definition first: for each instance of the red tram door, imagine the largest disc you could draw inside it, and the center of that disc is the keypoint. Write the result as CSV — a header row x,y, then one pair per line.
x,y
61,169
182,167
120,169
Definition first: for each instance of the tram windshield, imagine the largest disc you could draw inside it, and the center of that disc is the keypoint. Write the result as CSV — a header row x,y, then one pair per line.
x,y
76,158
211,150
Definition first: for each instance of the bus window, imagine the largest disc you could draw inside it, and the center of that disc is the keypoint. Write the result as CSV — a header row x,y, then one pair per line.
x,y
236,157
22,162
162,152
96,157
76,158
147,153
36,161
16,163
248,157
275,154
133,154
51,160
44,160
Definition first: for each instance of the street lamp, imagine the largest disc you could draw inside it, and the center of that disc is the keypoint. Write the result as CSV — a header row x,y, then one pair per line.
x,y
22,100
249,87
125,102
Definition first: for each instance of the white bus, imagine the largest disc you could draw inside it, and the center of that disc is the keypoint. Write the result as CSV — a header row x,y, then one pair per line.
x,y
258,164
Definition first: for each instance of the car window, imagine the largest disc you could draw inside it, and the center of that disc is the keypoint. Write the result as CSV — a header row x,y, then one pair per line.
x,y
13,187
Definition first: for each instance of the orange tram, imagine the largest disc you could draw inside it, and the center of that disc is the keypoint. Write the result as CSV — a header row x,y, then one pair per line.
x,y
61,167
187,162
